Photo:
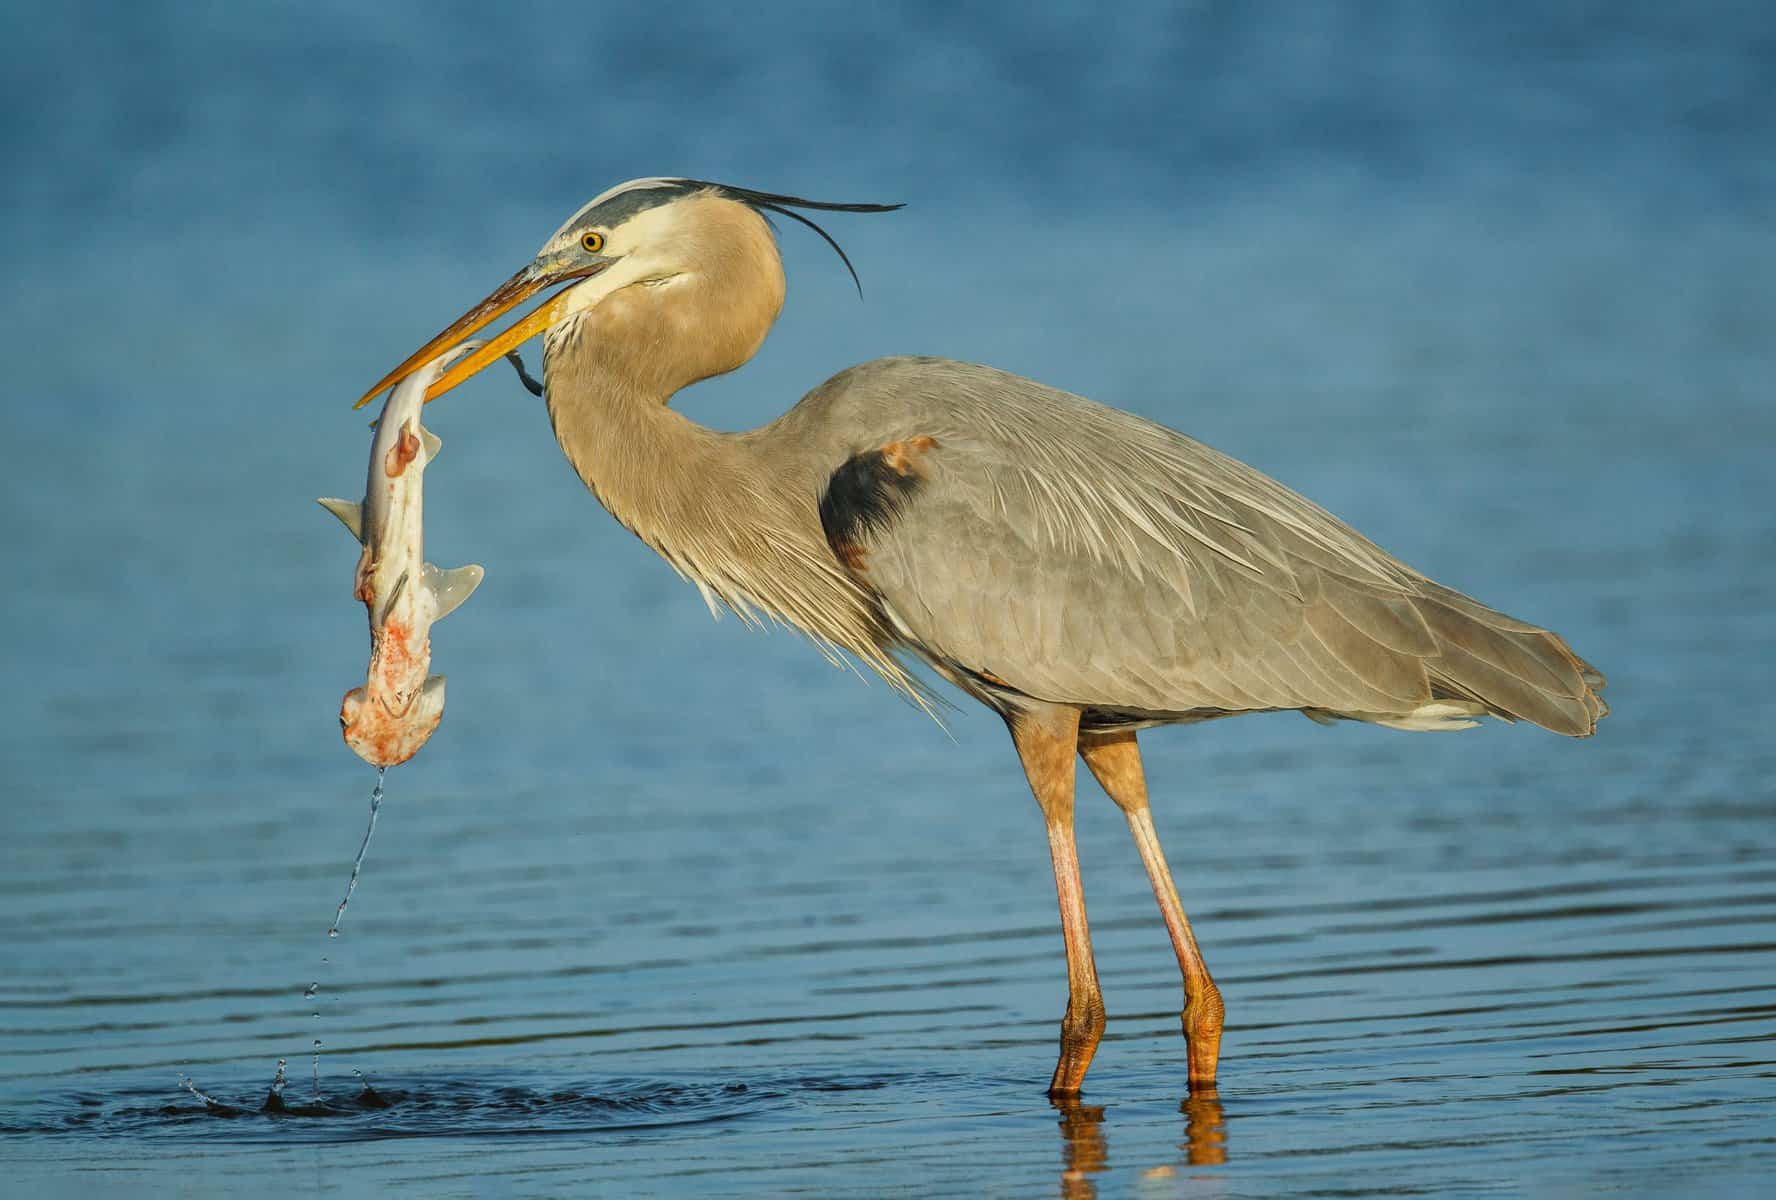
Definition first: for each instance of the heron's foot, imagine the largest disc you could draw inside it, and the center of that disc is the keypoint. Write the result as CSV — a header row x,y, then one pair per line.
x,y
1202,1018
1081,1030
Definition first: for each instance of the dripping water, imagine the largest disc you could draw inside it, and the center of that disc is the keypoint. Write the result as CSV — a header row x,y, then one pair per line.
x,y
313,989
308,993
358,864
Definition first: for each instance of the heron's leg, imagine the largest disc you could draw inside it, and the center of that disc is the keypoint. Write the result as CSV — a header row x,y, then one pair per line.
x,y
1046,739
1115,759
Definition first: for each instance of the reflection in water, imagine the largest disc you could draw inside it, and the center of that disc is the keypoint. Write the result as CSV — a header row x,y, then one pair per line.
x,y
1083,1151
1205,1129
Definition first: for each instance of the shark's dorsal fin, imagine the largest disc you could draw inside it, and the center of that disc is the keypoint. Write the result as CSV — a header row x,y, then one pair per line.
x,y
450,588
349,512
431,443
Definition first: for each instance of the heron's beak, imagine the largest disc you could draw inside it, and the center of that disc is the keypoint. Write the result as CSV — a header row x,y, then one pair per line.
x,y
536,277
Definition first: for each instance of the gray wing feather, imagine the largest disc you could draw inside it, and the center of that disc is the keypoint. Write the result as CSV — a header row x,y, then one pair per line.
x,y
1084,555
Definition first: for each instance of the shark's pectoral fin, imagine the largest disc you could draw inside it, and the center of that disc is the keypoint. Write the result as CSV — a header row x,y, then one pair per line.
x,y
431,443
451,588
349,512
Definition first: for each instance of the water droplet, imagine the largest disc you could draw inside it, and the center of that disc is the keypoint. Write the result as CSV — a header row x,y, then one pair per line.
x,y
308,993
334,932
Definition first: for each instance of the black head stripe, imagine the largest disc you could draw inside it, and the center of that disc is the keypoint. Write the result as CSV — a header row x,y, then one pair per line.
x,y
623,205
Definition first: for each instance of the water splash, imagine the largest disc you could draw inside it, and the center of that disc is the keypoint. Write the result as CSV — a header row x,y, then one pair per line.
x,y
358,864
369,1097
209,1100
274,1099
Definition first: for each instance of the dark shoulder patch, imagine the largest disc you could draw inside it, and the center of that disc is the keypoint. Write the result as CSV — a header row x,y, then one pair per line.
x,y
867,492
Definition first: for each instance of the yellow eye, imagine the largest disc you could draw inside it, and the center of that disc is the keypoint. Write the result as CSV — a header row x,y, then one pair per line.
x,y
592,240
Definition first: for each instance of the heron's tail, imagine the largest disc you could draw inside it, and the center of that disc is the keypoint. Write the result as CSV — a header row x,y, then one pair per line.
x,y
1509,668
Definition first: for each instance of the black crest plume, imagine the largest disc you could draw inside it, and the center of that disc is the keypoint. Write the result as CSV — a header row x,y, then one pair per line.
x,y
786,206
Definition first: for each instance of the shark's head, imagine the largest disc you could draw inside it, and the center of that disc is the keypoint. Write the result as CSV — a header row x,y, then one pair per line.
x,y
380,737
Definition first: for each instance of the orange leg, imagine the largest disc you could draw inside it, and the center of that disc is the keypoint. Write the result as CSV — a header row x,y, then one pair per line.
x,y
1046,740
1115,759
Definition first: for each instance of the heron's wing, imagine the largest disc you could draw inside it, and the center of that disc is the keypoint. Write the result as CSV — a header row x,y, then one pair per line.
x,y
1080,554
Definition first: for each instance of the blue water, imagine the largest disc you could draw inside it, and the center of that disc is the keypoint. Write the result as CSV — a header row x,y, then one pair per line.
x,y
674,908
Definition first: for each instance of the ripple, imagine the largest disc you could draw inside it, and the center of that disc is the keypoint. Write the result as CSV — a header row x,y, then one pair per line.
x,y
399,1107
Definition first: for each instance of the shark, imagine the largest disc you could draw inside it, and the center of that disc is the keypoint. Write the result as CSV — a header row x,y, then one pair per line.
x,y
386,721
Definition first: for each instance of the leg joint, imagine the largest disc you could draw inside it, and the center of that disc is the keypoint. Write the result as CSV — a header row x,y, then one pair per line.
x,y
1084,1021
1115,761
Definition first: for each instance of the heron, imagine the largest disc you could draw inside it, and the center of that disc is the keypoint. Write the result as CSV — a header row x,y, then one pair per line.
x,y
1083,572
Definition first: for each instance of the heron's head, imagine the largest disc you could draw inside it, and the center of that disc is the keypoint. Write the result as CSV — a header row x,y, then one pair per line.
x,y
683,266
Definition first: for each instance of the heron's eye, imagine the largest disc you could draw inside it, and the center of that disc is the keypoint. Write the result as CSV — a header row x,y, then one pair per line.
x,y
592,240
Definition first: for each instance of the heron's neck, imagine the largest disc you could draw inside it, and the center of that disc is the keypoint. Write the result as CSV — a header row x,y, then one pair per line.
x,y
646,463
729,511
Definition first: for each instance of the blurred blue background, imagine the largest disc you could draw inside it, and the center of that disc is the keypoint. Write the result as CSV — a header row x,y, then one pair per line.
x,y
1496,283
